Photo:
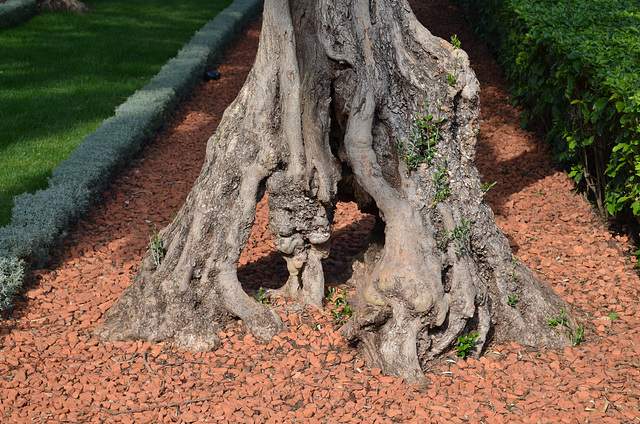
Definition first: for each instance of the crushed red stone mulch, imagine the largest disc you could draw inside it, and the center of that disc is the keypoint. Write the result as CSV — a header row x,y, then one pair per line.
x,y
53,371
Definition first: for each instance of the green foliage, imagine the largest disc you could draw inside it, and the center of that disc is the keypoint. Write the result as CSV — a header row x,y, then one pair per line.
x,y
466,344
514,265
156,248
561,320
486,187
577,337
459,236
261,296
14,12
40,220
11,275
421,144
455,42
340,309
451,79
49,105
574,66
441,181
512,300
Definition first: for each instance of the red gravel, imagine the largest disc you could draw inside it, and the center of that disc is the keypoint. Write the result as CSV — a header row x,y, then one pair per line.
x,y
52,370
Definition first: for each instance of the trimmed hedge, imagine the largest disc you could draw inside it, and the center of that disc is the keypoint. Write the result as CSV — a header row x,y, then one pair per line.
x,y
575,68
14,12
40,220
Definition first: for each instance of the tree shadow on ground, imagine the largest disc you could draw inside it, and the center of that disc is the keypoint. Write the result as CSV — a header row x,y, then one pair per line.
x,y
270,271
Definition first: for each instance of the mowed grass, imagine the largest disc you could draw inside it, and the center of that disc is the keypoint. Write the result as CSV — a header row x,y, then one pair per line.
x,y
62,74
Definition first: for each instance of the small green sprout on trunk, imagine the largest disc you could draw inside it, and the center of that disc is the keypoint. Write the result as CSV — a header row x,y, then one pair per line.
x,y
421,144
156,248
466,344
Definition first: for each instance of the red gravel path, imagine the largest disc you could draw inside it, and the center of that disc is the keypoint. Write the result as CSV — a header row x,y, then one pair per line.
x,y
51,370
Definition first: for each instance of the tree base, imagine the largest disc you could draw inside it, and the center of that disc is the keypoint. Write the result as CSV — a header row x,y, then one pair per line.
x,y
347,100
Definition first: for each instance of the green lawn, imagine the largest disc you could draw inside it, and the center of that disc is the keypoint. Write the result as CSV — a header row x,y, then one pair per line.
x,y
62,74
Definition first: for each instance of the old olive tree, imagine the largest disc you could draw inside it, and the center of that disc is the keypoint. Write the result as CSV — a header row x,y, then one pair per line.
x,y
347,100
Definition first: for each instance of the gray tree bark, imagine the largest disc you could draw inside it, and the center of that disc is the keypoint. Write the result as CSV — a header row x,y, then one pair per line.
x,y
329,113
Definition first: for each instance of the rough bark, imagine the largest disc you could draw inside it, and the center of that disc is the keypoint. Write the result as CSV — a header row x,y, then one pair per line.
x,y
335,86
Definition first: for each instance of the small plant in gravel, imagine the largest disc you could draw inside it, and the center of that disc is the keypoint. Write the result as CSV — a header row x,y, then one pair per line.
x,y
577,337
486,187
421,145
155,245
562,320
512,300
340,309
261,296
466,344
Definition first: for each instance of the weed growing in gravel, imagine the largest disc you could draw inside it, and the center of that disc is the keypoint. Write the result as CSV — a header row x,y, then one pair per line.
x,y
512,300
486,187
562,320
340,309
577,337
466,344
155,245
261,296
421,145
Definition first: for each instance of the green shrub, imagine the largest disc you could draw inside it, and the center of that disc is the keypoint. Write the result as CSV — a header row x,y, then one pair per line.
x,y
11,275
14,12
574,67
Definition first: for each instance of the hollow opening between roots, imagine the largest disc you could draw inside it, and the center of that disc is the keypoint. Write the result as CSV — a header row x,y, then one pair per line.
x,y
262,266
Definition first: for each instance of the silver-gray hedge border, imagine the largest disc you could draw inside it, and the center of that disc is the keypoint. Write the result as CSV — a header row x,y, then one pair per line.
x,y
40,220
14,12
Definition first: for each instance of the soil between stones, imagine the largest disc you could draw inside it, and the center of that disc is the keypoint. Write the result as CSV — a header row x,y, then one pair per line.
x,y
52,370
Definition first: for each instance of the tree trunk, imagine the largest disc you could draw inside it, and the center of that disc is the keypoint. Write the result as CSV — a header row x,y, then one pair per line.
x,y
347,100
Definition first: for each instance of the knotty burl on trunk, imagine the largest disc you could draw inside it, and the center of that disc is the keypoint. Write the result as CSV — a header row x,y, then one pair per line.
x,y
347,100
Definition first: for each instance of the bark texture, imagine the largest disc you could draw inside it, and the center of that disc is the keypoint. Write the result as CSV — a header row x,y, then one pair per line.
x,y
329,113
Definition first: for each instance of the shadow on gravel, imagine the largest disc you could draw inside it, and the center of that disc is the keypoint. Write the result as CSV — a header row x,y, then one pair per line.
x,y
270,270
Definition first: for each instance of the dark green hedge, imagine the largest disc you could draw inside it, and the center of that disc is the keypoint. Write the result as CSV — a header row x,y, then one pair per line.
x,y
40,220
575,68
14,12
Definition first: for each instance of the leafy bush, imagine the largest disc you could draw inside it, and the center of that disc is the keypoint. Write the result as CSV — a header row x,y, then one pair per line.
x,y
11,275
14,12
40,220
574,67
